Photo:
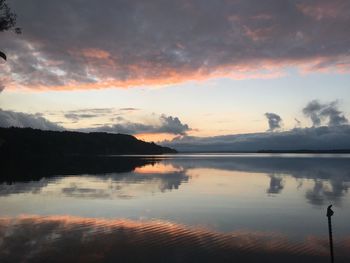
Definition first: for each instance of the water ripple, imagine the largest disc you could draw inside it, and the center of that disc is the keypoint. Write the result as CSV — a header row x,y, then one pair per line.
x,y
55,238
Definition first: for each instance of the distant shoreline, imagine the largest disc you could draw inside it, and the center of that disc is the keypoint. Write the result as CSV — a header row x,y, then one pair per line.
x,y
340,151
305,151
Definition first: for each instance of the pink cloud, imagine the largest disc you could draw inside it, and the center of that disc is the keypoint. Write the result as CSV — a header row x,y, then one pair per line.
x,y
159,44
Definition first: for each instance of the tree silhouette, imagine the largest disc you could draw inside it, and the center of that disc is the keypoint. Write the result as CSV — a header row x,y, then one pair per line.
x,y
7,21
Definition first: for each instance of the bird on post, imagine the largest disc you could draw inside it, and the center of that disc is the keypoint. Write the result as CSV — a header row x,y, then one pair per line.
x,y
329,211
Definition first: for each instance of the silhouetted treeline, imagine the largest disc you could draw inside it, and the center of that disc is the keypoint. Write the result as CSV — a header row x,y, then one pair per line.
x,y
16,142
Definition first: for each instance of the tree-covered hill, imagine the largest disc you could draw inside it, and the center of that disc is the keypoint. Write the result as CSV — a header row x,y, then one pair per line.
x,y
27,141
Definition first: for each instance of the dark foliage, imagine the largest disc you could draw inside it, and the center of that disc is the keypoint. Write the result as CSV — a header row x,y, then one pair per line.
x,y
7,21
7,18
17,142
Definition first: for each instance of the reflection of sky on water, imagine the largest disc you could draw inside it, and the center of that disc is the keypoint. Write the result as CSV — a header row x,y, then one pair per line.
x,y
144,180
76,239
226,194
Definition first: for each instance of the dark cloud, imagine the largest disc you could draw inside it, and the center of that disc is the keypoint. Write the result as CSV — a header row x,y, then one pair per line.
x,y
275,121
91,44
315,138
334,115
100,111
79,114
20,119
319,112
166,124
77,117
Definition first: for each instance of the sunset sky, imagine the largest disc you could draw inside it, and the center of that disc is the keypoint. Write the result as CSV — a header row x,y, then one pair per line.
x,y
165,69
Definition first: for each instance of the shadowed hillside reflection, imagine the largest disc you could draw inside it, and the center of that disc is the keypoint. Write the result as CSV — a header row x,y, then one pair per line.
x,y
148,179
36,167
59,238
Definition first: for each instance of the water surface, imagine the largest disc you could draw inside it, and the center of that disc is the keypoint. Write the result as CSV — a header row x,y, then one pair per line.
x,y
177,208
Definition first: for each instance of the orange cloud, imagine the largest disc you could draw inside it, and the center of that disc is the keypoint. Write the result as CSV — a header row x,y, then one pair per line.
x,y
165,76
238,41
98,62
95,53
154,137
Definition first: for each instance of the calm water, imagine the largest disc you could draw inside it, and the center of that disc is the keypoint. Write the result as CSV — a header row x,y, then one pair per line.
x,y
177,208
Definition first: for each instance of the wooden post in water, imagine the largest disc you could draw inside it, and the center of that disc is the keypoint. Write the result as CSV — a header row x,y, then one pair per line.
x,y
329,215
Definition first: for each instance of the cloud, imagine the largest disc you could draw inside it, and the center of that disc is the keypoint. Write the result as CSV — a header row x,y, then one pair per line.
x,y
72,44
172,125
92,111
334,136
162,124
314,138
298,123
128,109
274,121
76,117
318,112
118,118
20,119
89,113
166,124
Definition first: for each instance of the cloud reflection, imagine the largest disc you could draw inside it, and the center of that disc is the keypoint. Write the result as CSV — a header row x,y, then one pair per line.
x,y
73,239
329,177
276,184
145,180
327,192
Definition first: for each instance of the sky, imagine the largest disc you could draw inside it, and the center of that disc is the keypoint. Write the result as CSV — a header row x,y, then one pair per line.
x,y
176,70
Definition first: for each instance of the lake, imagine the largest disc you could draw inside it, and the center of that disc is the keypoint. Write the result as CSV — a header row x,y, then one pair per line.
x,y
177,208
